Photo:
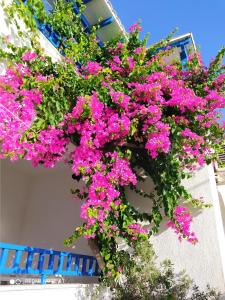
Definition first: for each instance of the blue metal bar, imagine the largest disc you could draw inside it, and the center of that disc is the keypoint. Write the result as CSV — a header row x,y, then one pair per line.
x,y
46,255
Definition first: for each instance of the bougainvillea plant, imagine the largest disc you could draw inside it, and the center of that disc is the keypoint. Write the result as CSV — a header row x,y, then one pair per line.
x,y
129,112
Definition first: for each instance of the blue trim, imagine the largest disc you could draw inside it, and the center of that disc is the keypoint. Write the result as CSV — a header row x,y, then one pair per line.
x,y
53,37
183,45
106,22
100,43
76,264
48,6
86,1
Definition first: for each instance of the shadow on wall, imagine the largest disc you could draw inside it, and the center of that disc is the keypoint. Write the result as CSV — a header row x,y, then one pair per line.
x,y
222,205
37,207
145,204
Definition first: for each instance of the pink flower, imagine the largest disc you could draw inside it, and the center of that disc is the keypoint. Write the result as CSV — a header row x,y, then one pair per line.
x,y
29,56
135,27
92,68
181,224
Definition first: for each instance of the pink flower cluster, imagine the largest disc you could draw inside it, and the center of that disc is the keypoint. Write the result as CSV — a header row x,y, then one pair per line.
x,y
181,224
135,27
17,114
158,141
17,111
29,56
135,229
48,149
97,126
92,68
133,107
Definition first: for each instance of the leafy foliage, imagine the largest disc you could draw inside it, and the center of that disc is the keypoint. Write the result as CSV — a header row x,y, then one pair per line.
x,y
129,112
143,279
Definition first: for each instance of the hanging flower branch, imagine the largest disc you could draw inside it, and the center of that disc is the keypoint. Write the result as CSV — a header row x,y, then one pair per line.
x,y
127,112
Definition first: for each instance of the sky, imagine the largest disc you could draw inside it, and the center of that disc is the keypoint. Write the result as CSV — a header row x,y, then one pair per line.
x,y
204,18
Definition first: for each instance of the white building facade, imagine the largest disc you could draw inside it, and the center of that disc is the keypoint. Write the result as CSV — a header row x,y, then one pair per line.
x,y
37,209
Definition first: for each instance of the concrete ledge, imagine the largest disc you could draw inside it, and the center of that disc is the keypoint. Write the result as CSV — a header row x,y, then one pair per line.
x,y
51,291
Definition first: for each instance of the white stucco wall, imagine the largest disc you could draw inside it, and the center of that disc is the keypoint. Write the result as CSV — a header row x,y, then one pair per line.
x,y
56,292
204,262
10,31
33,210
221,191
37,209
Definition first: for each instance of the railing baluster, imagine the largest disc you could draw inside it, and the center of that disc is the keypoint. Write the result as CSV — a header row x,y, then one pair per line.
x,y
96,268
68,263
43,279
41,261
51,261
73,266
16,262
77,264
60,263
29,262
3,259
90,267
84,265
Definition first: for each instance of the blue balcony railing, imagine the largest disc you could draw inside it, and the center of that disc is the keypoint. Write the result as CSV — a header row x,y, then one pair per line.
x,y
54,38
57,41
23,260
182,44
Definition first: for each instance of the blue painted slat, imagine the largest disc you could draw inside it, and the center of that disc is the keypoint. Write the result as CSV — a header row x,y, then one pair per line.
x,y
41,261
43,279
60,264
84,265
96,269
77,264
90,267
29,262
51,261
3,259
46,30
17,259
54,39
69,262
